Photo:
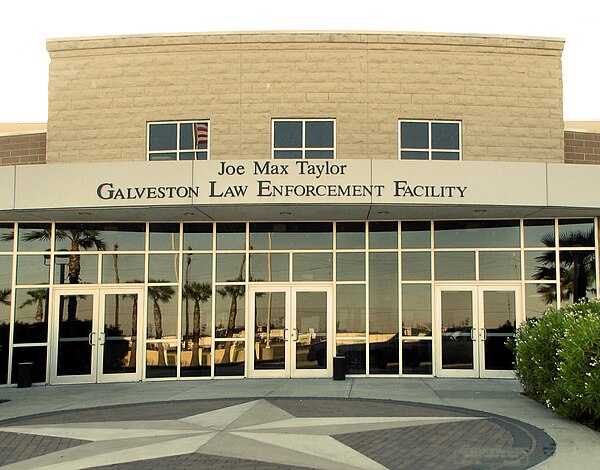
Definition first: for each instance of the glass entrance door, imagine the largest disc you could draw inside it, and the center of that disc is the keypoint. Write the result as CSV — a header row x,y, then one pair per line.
x,y
94,335
473,325
291,328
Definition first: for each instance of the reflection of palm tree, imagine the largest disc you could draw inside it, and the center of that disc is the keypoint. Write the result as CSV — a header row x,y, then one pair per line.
x,y
234,292
158,295
198,293
5,297
38,297
577,268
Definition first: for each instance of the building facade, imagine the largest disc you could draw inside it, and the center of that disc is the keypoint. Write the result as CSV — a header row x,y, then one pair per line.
x,y
254,204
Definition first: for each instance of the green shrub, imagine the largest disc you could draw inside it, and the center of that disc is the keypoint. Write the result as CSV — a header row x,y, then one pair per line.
x,y
558,360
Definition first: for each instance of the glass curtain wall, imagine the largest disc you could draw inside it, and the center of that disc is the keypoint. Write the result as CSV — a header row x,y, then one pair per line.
x,y
196,276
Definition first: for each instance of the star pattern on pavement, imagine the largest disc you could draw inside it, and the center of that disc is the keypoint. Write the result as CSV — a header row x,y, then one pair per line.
x,y
256,430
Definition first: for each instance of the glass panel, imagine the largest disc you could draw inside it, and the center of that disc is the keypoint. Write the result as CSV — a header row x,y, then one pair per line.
x,y
230,316
383,313
196,328
505,265
416,266
287,134
312,267
291,236
445,156
5,272
416,309
31,316
163,136
5,303
477,234
576,232
197,236
117,268
164,237
161,360
445,135
75,316
33,269
499,321
454,265
414,135
416,235
269,330
540,265
34,354
79,237
288,154
383,234
416,356
230,357
120,333
75,269
414,155
318,154
162,157
197,267
6,237
269,267
162,312
121,237
163,268
354,352
538,298
186,136
457,323
34,237
351,312
231,236
231,267
350,235
319,134
577,275
539,233
350,267
311,326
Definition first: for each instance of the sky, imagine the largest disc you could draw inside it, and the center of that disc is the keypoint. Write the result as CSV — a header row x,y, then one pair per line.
x,y
25,26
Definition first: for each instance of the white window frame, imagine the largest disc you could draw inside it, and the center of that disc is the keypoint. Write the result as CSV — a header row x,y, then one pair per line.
x,y
303,149
178,150
429,148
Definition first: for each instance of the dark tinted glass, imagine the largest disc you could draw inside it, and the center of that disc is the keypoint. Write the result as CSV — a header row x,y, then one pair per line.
x,y
445,156
31,316
444,135
577,275
576,232
383,234
34,354
163,157
414,155
416,235
319,134
231,236
291,236
288,154
416,309
540,265
163,268
539,233
118,268
120,237
288,134
350,235
79,237
186,136
416,356
33,269
318,154
414,135
501,265
351,310
477,234
416,266
34,237
454,265
350,266
164,236
197,236
6,237
163,136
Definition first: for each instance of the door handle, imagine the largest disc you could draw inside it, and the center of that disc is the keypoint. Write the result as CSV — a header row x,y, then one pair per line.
x,y
285,334
483,334
295,334
91,338
473,331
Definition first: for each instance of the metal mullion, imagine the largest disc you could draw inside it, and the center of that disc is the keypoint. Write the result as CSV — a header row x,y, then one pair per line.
x,y
400,312
12,313
597,265
367,301
557,257
180,301
213,301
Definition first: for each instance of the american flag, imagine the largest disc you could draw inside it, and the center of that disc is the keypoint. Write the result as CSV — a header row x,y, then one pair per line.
x,y
201,129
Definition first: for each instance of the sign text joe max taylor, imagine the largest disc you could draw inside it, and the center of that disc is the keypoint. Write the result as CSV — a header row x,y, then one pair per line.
x,y
266,188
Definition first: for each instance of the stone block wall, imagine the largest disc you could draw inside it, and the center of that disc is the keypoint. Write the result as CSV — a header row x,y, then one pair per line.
x,y
506,91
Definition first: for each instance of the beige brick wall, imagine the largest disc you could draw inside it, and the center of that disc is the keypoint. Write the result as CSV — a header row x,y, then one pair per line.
x,y
23,149
506,91
582,147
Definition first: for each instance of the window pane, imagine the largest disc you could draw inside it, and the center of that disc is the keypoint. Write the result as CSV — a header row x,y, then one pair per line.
x,y
539,233
350,235
161,360
350,267
444,135
197,236
79,237
230,357
383,294
355,353
540,265
454,265
162,157
291,236
501,265
31,316
6,237
118,268
313,267
33,269
538,297
164,236
230,312
577,275
197,267
316,154
416,356
414,135
269,267
477,234
414,155
35,354
288,154
231,267
231,236
288,134
34,237
121,237
576,232
186,136
384,355
383,235
416,235
163,136
85,269
351,313
416,266
162,312
163,268
416,310
445,156
319,134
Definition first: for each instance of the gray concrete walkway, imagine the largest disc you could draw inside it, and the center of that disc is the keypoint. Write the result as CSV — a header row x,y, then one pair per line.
x,y
577,447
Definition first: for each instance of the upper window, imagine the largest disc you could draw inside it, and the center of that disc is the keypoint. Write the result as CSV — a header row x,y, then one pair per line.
x,y
184,140
429,140
303,138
